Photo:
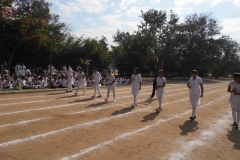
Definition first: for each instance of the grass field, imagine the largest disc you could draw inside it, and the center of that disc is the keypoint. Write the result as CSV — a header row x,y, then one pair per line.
x,y
59,125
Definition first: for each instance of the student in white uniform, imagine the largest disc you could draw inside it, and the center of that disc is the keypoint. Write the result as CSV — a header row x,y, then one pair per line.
x,y
23,69
136,80
96,76
234,101
81,81
110,79
69,74
161,83
194,92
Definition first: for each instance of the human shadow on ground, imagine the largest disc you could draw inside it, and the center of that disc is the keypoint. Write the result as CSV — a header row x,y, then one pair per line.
x,y
70,96
82,100
148,101
150,117
122,111
188,126
96,104
234,136
52,94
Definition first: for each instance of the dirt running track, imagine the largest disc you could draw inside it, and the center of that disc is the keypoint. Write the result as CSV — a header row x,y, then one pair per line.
x,y
57,125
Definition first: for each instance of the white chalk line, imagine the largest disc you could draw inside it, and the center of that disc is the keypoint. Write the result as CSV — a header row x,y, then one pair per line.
x,y
84,111
201,140
25,122
66,105
80,125
14,142
55,95
82,96
124,135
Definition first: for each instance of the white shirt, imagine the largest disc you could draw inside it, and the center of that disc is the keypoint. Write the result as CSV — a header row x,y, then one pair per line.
x,y
160,81
69,73
110,78
235,98
136,79
194,83
97,77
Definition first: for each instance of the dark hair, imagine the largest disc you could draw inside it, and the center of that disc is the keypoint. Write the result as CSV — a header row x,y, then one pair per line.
x,y
95,68
161,71
136,68
236,75
195,71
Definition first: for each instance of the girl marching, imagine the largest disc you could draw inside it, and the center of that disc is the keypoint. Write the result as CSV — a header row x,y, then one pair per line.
x,y
194,92
234,101
136,80
161,82
110,79
96,76
81,81
69,74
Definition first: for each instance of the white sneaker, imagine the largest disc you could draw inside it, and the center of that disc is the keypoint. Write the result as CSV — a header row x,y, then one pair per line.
x,y
114,100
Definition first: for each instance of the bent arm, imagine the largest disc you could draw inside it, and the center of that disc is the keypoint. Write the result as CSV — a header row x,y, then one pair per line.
x,y
201,86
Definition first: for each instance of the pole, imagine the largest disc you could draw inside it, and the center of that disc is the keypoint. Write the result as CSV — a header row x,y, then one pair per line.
x,y
51,60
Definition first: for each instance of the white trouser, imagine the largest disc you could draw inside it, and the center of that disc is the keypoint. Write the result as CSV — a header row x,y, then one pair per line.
x,y
113,94
135,100
160,102
236,115
96,88
69,82
84,89
194,110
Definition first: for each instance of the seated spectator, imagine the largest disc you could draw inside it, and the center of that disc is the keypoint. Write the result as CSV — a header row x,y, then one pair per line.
x,y
23,82
54,82
45,81
7,84
63,82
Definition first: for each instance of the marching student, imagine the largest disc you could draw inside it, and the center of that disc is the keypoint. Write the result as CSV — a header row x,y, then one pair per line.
x,y
194,92
96,76
69,74
136,80
156,74
161,83
81,81
110,79
234,101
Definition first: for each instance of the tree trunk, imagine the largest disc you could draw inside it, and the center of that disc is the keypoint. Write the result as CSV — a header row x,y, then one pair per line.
x,y
10,59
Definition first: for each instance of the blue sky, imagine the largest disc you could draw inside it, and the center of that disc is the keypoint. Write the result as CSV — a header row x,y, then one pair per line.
x,y
93,18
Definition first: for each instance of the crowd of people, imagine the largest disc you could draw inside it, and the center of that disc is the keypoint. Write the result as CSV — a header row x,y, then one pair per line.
x,y
24,79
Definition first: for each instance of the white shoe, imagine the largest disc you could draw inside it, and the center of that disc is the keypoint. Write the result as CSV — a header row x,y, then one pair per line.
x,y
114,100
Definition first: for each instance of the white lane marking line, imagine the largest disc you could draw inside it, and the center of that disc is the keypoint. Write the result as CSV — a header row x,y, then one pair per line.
x,y
84,111
67,128
92,91
25,122
124,135
67,105
201,140
42,101
64,93
76,126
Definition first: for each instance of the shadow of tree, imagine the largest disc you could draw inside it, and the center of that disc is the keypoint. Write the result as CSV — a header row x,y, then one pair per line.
x,y
188,126
234,136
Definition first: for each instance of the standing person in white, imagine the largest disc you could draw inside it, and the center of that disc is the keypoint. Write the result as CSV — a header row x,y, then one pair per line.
x,y
23,69
81,81
161,83
234,101
69,74
136,80
96,76
110,79
194,92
